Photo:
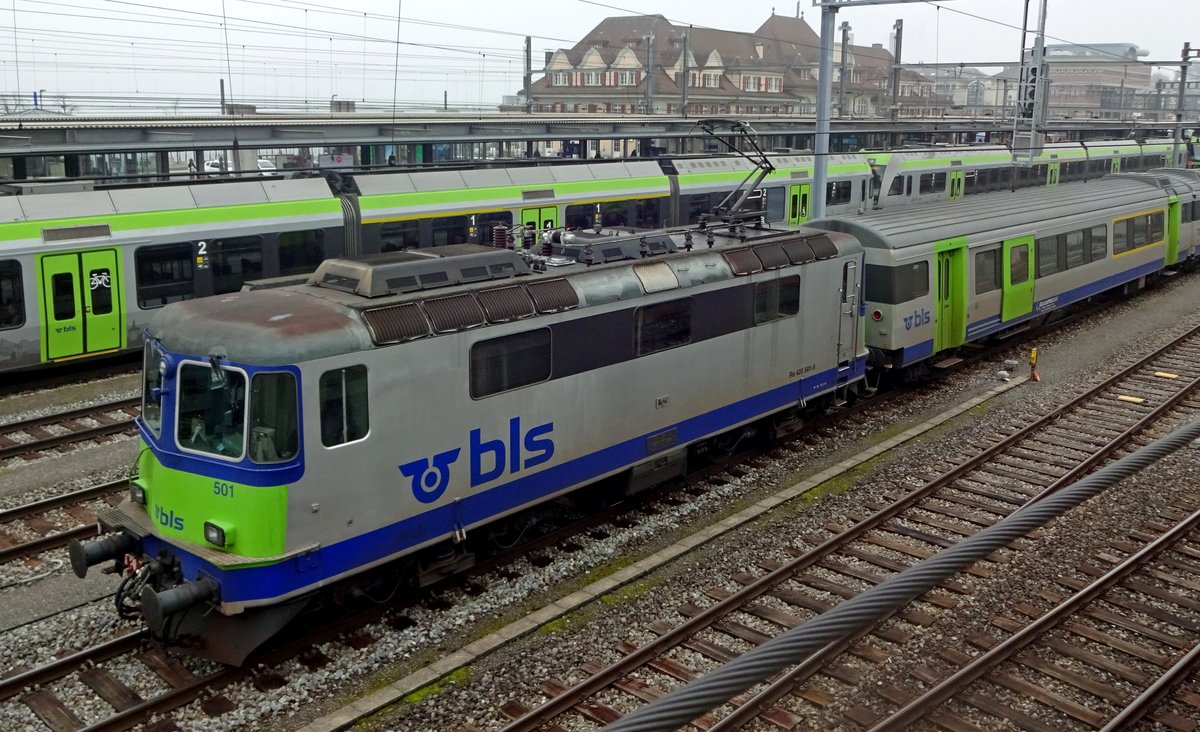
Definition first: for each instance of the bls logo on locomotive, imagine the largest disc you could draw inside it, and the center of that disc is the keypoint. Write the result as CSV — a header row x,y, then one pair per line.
x,y
489,459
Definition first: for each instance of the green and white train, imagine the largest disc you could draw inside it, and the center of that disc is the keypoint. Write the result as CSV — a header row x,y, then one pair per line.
x,y
81,273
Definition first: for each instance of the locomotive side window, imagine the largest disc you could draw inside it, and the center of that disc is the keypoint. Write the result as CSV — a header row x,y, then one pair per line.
x,y
510,362
776,299
12,300
344,416
212,410
301,251
274,433
234,261
164,274
152,377
987,271
662,326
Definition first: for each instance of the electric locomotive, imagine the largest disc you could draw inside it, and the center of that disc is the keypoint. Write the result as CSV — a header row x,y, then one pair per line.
x,y
395,405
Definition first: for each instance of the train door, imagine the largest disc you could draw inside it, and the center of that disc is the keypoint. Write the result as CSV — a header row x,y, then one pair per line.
x,y
798,203
950,308
1115,167
957,178
1017,298
81,303
541,218
848,319
1174,222
1053,173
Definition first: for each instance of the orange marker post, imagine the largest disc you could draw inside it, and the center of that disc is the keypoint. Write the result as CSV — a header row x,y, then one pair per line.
x,y
1033,373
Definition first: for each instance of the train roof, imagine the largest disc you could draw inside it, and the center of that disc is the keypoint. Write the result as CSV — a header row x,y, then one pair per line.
x,y
380,300
142,200
909,226
442,180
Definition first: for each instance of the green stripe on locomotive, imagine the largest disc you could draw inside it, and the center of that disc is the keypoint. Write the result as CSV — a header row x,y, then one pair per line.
x,y
179,503
19,230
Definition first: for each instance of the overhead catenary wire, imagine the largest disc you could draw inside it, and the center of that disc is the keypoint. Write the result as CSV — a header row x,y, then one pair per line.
x,y
762,662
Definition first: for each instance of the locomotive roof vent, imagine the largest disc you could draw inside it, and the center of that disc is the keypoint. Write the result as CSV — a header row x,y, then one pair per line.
x,y
392,273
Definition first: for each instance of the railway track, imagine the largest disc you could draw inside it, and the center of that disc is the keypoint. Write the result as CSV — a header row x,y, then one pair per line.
x,y
1007,473
1104,655
33,518
31,436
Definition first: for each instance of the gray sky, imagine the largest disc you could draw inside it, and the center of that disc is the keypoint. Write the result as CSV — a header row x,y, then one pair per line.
x,y
155,55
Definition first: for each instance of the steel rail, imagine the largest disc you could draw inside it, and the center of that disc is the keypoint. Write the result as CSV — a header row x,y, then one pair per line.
x,y
13,685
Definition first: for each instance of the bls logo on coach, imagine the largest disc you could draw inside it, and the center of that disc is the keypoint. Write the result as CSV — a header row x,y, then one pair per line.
x,y
490,459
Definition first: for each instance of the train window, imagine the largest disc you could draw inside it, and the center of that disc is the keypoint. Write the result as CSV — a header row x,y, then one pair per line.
x,y
12,299
1156,227
775,203
100,286
580,216
164,274
1122,233
395,236
274,420
663,325
488,221
776,299
211,410
451,230
971,180
1048,255
301,251
1098,243
647,213
613,214
838,192
897,186
1077,252
510,362
234,261
1140,230
895,285
1018,264
344,414
1185,213
987,271
932,183
62,290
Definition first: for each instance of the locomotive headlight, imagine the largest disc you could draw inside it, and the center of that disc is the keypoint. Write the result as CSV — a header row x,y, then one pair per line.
x,y
218,533
137,494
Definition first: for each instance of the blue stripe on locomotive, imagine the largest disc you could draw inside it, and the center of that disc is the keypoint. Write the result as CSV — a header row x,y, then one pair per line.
x,y
269,581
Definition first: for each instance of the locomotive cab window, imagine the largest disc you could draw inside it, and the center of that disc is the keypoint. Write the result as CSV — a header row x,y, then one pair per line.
x,y
152,377
510,362
776,299
343,398
211,410
274,429
662,326
12,300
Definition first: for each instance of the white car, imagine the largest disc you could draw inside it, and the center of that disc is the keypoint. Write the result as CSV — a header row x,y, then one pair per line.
x,y
212,166
266,167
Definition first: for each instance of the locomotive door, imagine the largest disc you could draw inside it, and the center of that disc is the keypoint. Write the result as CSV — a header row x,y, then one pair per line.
x,y
957,178
1017,298
798,197
541,218
848,317
950,307
81,303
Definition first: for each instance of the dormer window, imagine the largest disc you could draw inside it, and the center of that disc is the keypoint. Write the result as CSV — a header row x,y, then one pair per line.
x,y
560,78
